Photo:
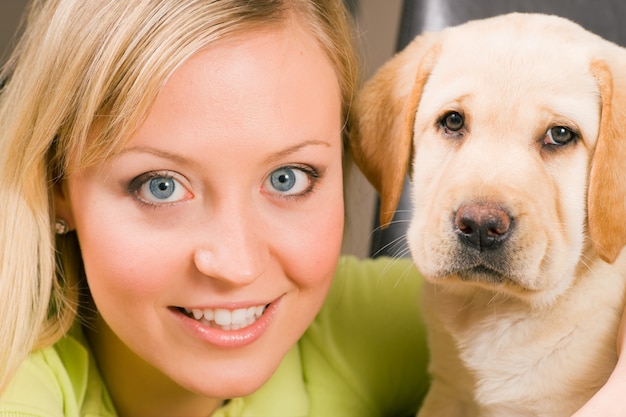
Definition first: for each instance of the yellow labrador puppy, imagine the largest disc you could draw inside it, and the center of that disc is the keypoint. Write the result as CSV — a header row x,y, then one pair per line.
x,y
513,129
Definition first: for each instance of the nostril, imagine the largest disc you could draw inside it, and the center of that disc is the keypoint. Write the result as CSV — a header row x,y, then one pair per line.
x,y
466,224
481,225
498,226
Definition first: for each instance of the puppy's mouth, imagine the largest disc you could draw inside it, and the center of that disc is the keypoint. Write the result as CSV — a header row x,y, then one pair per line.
x,y
482,273
224,319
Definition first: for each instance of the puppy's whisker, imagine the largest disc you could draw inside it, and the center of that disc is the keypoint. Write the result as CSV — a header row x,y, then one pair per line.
x,y
394,247
381,228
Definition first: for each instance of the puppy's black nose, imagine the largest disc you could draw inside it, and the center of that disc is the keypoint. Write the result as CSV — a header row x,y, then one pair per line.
x,y
482,226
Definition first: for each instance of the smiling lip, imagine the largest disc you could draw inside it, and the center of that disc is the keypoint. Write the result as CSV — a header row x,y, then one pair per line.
x,y
228,328
225,319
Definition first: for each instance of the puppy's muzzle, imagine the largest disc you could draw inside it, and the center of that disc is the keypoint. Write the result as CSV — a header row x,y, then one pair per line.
x,y
482,226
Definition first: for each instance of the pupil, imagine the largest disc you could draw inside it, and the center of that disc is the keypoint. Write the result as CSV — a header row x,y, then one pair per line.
x,y
454,121
162,187
283,179
561,134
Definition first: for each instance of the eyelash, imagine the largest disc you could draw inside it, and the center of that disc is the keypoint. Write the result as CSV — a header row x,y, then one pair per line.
x,y
135,185
139,181
313,176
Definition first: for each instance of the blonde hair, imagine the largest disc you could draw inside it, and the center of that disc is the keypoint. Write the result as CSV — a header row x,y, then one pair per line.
x,y
81,63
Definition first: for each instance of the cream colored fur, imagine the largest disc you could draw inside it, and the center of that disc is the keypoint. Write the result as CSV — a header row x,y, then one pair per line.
x,y
525,327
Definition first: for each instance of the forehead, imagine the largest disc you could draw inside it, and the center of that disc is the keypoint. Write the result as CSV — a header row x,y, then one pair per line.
x,y
515,68
264,91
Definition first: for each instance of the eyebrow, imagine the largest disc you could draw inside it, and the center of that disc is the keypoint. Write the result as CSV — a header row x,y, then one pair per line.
x,y
295,148
183,160
159,153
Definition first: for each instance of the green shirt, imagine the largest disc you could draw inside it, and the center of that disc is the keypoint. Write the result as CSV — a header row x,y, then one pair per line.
x,y
364,355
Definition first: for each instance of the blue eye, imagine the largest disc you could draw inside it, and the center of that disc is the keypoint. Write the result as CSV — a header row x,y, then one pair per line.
x,y
283,179
155,188
162,188
289,181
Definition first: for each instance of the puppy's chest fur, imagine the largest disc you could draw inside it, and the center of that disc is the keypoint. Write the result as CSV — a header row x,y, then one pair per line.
x,y
498,356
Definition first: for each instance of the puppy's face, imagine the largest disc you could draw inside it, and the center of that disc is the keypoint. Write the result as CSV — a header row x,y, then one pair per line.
x,y
512,131
503,139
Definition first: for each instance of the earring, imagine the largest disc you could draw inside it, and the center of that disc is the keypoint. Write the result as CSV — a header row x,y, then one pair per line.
x,y
61,227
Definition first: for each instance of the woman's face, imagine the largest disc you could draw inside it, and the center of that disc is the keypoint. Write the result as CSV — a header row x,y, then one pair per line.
x,y
210,241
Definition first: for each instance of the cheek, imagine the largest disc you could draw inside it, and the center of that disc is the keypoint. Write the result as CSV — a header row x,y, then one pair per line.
x,y
118,267
570,178
311,250
122,262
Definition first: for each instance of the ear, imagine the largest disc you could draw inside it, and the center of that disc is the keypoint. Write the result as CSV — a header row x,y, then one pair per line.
x,y
607,182
384,113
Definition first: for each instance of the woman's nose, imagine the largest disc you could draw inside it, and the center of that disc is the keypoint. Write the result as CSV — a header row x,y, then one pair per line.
x,y
233,248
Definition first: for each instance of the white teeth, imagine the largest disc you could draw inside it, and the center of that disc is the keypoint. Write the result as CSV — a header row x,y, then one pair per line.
x,y
238,316
223,317
227,319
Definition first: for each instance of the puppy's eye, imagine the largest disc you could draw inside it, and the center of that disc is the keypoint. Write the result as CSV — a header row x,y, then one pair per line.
x,y
559,136
452,122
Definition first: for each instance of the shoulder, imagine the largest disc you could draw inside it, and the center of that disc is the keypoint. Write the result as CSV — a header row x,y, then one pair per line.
x,y
383,281
60,380
365,353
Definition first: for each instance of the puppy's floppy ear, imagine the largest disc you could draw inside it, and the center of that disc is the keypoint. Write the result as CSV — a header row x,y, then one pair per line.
x,y
384,113
607,182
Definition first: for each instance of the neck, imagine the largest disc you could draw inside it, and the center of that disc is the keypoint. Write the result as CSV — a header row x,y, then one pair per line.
x,y
136,388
